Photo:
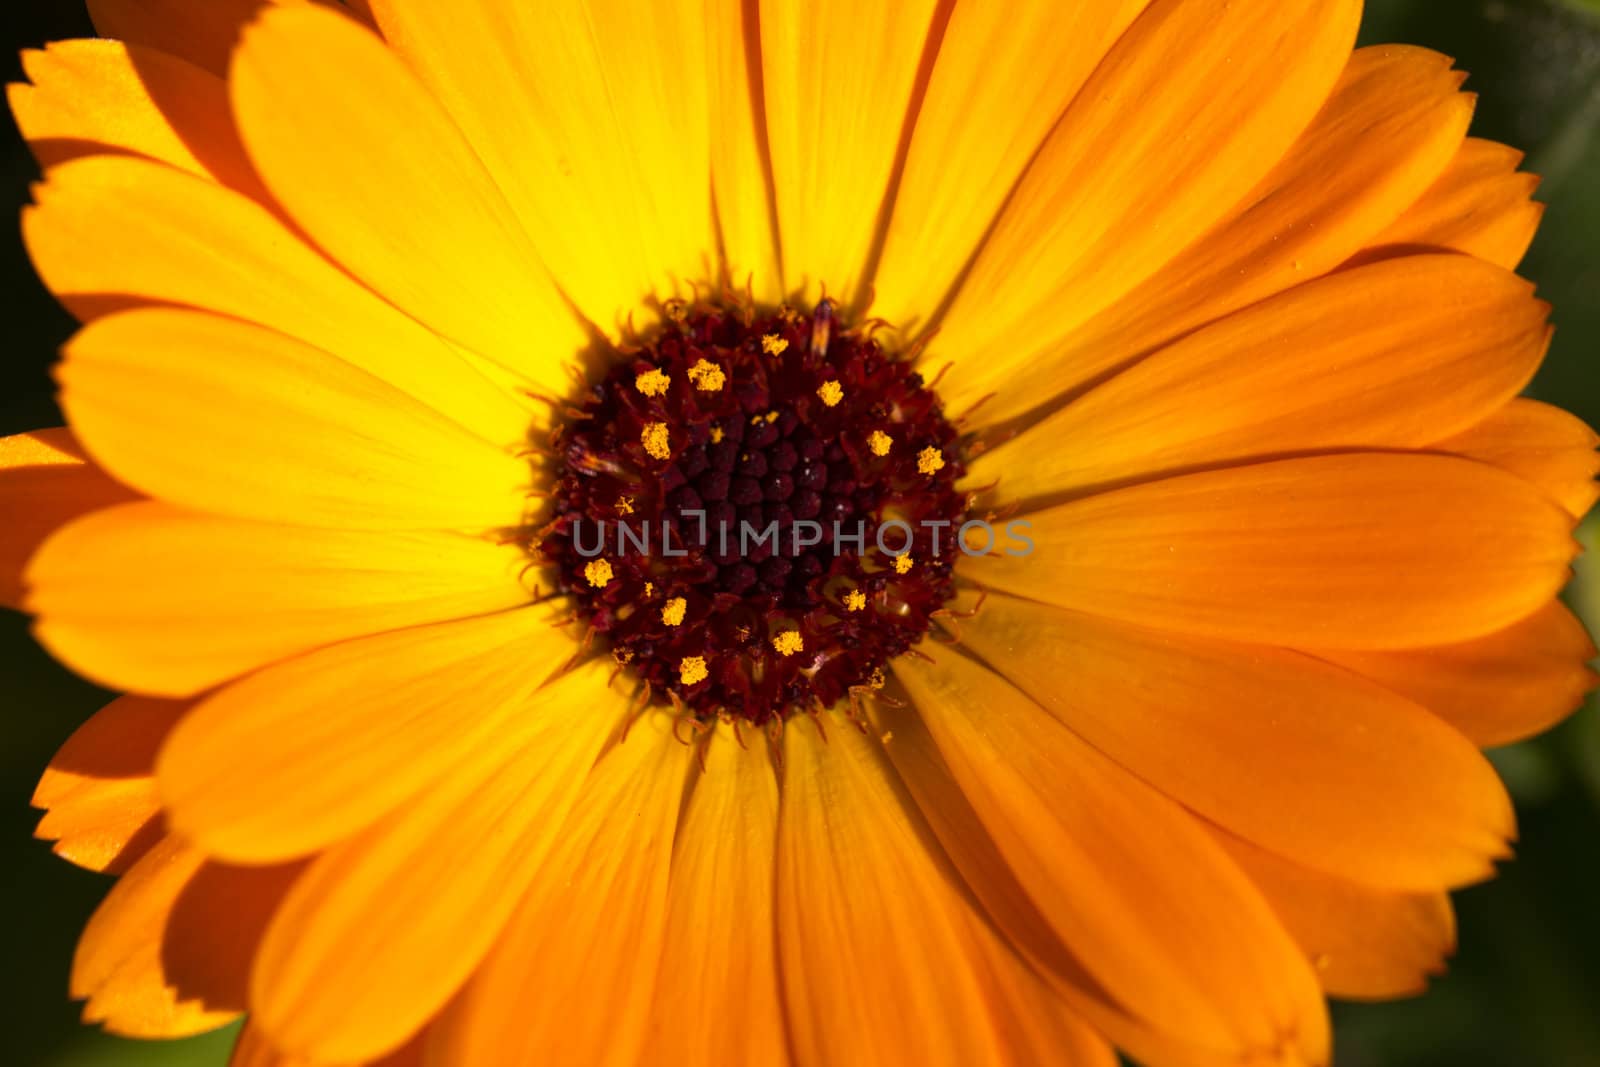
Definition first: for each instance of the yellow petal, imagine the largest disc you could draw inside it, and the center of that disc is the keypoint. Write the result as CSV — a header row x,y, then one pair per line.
x,y
740,166
277,430
719,946
1314,763
99,792
382,930
1481,205
1352,550
1496,689
307,752
1393,355
594,119
837,79
109,232
1157,914
592,921
1388,129
46,481
148,598
1188,112
1364,943
90,97
1549,447
1003,76
318,100
886,958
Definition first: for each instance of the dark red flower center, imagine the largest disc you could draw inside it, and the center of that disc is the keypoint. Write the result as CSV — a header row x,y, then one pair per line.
x,y
757,511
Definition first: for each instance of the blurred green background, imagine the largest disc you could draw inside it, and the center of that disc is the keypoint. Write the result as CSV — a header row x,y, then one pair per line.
x,y
1525,988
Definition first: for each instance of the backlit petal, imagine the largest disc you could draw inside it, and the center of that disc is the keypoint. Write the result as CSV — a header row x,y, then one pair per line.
x,y
1355,550
1178,124
307,752
46,481
1268,743
317,99
151,599
593,921
276,430
383,929
1158,915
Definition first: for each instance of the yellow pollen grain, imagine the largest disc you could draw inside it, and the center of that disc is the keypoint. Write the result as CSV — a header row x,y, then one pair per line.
x,y
649,589
692,669
879,443
831,393
652,382
930,460
624,505
674,611
771,416
855,600
716,435
707,376
903,564
598,572
773,345
789,642
654,438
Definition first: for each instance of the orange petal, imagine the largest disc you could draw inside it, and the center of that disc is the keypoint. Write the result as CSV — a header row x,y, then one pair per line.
x,y
91,97
1188,112
1365,943
383,929
588,934
885,957
1549,447
46,481
200,31
1394,355
719,946
278,431
837,79
311,750
254,1049
600,142
1500,688
1385,133
1481,205
1307,760
108,232
1003,75
317,98
1353,550
167,952
99,792
1156,912
151,599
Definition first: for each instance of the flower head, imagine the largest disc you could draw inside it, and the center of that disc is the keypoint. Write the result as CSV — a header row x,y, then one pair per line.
x,y
1208,323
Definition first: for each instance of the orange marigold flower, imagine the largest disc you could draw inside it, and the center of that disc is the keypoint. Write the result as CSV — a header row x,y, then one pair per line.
x,y
1234,342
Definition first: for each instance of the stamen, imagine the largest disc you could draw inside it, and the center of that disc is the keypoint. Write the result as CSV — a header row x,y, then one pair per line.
x,y
855,600
655,437
930,461
831,392
674,610
707,376
788,642
652,383
879,443
773,345
598,572
692,670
